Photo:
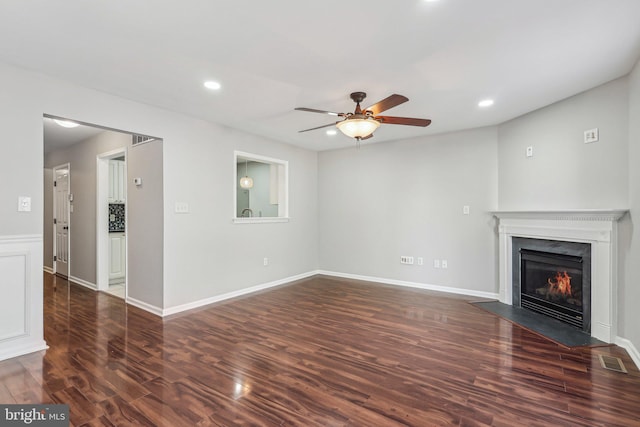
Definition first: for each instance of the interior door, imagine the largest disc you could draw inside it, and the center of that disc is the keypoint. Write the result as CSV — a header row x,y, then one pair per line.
x,y
61,220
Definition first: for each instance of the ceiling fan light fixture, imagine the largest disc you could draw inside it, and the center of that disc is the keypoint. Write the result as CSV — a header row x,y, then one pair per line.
x,y
358,127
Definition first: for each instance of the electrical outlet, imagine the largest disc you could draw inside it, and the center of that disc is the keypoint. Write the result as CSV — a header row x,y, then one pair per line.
x,y
465,210
444,263
436,263
420,261
265,262
406,259
182,207
591,135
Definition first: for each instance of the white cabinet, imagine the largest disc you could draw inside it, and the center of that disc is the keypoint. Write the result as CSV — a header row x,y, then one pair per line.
x,y
117,187
117,257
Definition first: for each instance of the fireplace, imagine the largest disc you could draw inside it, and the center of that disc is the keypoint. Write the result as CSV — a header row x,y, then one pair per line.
x,y
596,228
553,278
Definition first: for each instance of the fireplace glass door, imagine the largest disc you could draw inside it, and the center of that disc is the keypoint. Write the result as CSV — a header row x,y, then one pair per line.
x,y
552,284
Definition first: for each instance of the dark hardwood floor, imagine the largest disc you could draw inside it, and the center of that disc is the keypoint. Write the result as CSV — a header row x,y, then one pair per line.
x,y
320,352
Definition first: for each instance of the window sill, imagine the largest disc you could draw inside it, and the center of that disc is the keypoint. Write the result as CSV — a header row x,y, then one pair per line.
x,y
259,220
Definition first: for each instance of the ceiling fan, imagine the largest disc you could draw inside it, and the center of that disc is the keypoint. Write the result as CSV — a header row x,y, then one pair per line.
x,y
362,123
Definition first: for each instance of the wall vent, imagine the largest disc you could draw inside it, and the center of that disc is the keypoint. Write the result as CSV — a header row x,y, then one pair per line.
x,y
142,139
612,363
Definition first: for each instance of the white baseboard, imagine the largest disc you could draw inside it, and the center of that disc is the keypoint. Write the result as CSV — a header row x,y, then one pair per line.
x,y
144,306
47,269
234,294
82,282
426,286
29,347
631,349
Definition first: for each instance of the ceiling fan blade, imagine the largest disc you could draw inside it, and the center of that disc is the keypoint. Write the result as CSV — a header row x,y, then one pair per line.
x,y
313,110
389,102
390,120
319,127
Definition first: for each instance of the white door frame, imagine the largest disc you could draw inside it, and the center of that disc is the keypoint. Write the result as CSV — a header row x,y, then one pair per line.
x,y
102,219
66,166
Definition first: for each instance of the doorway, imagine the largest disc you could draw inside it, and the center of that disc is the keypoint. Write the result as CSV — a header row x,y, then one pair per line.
x,y
61,219
111,215
72,252
90,150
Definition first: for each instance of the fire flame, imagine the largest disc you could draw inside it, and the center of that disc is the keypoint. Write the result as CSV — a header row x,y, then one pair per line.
x,y
561,285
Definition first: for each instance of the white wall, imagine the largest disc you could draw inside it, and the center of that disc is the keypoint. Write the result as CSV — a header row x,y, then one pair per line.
x,y
406,198
629,296
145,219
215,255
564,172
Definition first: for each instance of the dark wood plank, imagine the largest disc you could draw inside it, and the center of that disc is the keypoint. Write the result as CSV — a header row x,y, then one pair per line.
x,y
318,352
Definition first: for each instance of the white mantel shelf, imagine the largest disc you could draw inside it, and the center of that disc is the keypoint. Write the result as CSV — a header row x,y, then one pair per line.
x,y
597,227
565,215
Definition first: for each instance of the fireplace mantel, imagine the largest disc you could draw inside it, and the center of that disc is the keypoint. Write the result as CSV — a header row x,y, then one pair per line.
x,y
566,215
596,227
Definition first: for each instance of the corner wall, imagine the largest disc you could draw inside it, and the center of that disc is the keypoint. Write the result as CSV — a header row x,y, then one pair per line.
x,y
630,246
383,201
145,224
565,173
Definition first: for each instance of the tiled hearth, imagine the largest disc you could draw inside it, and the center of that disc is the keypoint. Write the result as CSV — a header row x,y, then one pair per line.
x,y
595,227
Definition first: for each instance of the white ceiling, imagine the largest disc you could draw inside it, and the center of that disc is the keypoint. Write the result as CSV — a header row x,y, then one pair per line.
x,y
273,56
57,137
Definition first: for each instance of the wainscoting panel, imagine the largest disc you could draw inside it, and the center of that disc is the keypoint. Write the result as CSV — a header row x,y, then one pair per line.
x,y
15,287
21,323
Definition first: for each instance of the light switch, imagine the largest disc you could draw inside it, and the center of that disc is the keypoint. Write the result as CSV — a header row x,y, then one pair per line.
x,y
530,151
24,204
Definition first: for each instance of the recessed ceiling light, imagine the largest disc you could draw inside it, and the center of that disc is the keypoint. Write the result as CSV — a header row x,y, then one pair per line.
x,y
332,132
212,85
485,103
66,123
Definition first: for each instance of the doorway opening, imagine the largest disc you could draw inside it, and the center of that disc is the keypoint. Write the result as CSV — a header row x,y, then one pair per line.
x,y
62,198
111,215
75,253
117,234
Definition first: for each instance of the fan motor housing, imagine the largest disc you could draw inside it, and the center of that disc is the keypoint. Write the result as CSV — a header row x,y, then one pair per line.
x,y
358,96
